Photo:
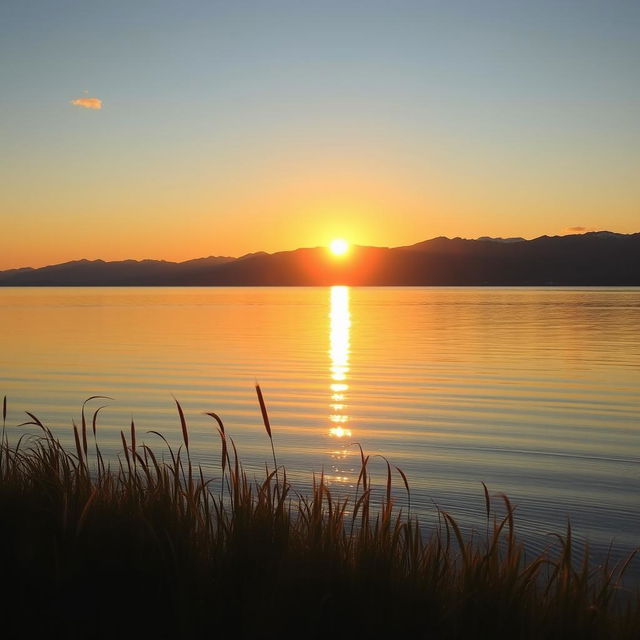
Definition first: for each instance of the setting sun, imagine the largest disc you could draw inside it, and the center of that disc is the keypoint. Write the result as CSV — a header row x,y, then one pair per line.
x,y
339,247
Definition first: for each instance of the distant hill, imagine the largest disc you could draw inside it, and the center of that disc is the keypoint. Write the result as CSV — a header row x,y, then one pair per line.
x,y
488,239
101,273
590,259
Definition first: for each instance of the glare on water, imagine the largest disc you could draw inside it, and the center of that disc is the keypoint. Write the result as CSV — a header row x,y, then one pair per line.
x,y
340,326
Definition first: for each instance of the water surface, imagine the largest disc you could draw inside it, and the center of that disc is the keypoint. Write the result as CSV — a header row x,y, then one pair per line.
x,y
533,391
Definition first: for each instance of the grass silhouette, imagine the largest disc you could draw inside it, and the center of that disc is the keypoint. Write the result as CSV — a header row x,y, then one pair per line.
x,y
145,546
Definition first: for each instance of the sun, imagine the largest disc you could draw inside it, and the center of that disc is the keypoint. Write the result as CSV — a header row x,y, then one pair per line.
x,y
339,247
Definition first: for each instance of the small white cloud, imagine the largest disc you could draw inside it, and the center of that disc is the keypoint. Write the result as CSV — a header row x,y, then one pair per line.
x,y
87,103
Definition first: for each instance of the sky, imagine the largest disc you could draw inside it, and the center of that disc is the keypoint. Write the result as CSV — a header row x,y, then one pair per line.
x,y
175,130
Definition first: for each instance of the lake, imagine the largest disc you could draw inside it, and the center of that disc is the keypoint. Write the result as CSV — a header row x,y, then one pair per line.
x,y
533,391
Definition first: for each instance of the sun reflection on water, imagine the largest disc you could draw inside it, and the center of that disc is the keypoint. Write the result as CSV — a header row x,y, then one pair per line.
x,y
339,349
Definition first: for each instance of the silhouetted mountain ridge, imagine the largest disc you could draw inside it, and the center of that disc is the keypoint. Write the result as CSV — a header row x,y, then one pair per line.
x,y
591,259
490,239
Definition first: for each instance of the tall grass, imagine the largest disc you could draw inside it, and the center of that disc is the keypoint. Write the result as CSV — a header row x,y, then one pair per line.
x,y
144,545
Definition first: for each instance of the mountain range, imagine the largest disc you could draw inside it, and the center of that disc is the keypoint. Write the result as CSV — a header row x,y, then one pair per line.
x,y
598,258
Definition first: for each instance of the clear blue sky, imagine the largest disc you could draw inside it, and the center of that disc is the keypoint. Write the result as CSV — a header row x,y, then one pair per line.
x,y
229,127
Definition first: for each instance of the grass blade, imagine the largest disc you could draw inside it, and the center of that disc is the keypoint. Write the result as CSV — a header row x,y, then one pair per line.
x,y
183,424
263,410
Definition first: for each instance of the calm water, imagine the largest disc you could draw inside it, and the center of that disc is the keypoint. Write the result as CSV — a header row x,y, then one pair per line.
x,y
533,391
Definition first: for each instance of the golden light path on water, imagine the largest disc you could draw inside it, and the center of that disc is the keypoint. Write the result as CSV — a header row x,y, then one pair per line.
x,y
339,352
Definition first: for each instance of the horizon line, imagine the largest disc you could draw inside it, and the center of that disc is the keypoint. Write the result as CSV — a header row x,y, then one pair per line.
x,y
251,253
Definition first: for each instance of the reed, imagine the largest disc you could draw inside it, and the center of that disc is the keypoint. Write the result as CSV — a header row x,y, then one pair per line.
x,y
89,544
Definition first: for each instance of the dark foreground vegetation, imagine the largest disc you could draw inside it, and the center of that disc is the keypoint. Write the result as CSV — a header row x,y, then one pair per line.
x,y
147,547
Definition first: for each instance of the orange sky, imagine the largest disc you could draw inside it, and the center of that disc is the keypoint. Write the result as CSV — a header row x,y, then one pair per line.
x,y
224,129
